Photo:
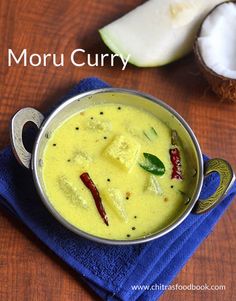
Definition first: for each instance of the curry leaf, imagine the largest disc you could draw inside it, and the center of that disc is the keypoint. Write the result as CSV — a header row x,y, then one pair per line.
x,y
153,164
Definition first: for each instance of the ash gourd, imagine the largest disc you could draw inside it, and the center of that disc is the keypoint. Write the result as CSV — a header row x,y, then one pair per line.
x,y
157,32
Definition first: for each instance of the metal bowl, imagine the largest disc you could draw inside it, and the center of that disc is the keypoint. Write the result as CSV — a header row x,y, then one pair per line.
x,y
127,97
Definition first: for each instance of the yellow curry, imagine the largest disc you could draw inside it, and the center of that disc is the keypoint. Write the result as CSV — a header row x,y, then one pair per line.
x,y
117,172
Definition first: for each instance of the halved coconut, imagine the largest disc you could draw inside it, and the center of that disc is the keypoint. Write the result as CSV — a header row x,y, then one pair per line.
x,y
215,50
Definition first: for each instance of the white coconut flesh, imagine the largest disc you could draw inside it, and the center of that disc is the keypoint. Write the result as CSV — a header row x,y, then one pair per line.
x,y
157,32
217,40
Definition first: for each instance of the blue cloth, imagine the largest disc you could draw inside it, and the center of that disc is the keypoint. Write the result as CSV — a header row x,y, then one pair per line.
x,y
110,271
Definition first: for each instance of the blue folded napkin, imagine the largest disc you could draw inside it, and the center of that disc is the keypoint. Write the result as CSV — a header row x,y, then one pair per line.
x,y
114,272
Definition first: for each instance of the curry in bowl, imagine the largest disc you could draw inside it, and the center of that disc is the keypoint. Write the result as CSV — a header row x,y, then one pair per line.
x,y
117,172
117,166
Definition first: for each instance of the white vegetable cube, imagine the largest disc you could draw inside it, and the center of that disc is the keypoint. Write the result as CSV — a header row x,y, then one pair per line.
x,y
82,159
124,151
153,186
116,201
99,125
71,192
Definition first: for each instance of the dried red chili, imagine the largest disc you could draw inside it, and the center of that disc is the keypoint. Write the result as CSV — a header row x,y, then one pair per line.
x,y
96,196
176,162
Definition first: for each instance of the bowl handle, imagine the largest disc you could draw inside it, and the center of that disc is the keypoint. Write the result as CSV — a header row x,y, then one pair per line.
x,y
16,130
227,179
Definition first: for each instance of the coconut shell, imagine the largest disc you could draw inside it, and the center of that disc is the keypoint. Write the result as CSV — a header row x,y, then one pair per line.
x,y
224,87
